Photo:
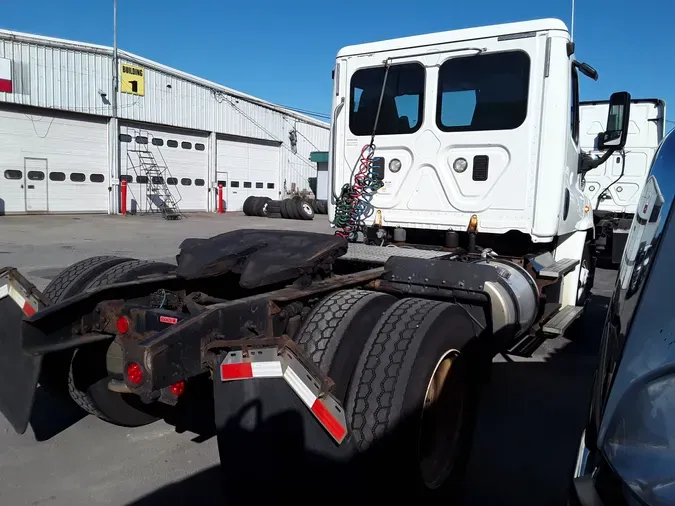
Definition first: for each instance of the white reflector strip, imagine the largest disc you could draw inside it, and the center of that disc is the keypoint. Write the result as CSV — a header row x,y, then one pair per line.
x,y
299,387
17,297
4,291
266,369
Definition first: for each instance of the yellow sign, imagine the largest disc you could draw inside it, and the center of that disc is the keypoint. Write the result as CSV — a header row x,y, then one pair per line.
x,y
132,79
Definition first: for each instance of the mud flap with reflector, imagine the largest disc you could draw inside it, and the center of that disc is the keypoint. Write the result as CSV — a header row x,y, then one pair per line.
x,y
276,426
19,371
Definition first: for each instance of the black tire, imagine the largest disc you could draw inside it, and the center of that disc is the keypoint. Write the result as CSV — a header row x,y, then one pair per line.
x,y
88,375
336,330
70,281
248,205
287,209
274,206
576,330
260,206
322,206
390,387
304,210
314,204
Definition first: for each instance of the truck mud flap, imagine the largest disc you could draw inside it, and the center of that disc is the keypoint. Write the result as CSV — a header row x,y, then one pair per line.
x,y
19,371
269,438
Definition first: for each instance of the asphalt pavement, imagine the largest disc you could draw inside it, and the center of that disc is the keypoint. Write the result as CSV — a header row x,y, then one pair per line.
x,y
527,436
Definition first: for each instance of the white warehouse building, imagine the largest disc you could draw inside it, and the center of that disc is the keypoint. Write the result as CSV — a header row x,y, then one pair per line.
x,y
65,148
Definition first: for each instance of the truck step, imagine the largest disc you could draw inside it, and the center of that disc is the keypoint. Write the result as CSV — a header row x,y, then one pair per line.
x,y
558,268
562,320
380,254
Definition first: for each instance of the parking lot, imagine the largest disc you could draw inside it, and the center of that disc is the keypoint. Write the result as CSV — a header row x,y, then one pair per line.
x,y
525,447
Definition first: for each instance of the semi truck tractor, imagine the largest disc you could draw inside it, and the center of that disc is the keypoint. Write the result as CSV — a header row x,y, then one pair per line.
x,y
615,187
460,230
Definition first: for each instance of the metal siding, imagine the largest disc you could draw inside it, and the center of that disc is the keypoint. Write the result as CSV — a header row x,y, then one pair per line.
x,y
58,78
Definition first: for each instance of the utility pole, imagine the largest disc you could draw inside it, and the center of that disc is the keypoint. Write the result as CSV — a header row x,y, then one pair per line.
x,y
115,62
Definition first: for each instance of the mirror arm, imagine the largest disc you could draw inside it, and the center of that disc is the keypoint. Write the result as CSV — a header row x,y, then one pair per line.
x,y
588,163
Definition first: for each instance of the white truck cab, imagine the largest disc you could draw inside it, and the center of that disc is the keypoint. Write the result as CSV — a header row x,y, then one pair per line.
x,y
615,186
465,132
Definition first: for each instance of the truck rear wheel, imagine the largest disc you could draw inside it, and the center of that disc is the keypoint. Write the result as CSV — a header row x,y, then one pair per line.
x,y
336,330
88,375
413,401
70,281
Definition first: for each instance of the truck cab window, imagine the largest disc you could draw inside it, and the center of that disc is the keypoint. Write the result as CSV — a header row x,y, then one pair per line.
x,y
402,104
574,105
483,92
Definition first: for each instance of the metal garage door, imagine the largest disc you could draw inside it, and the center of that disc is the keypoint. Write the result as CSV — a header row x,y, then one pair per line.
x,y
53,163
182,158
247,167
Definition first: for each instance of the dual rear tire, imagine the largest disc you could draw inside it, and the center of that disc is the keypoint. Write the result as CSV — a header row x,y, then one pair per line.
x,y
408,373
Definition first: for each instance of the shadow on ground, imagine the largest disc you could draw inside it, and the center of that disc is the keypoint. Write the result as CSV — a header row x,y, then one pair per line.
x,y
524,450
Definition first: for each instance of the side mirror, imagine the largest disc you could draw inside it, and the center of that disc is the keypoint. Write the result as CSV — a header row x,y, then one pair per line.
x,y
614,136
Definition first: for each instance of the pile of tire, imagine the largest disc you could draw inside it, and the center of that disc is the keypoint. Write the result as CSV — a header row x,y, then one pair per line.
x,y
295,208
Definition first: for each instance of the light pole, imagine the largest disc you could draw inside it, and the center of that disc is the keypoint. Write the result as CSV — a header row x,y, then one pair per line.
x,y
115,63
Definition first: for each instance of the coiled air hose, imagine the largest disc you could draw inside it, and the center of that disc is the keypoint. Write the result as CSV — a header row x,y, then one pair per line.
x,y
354,201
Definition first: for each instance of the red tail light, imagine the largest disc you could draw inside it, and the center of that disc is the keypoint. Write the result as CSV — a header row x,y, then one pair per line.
x,y
177,389
135,373
123,324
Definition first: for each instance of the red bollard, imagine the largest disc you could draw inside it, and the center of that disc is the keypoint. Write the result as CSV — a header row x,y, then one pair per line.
x,y
123,206
220,199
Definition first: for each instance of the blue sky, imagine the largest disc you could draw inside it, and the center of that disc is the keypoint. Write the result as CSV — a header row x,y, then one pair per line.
x,y
283,51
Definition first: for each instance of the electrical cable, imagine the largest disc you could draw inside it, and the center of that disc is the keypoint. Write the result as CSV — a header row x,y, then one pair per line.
x,y
623,168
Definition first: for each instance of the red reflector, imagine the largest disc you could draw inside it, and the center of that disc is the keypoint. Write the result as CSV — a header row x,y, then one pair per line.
x,y
168,319
123,324
328,420
236,371
135,373
177,389
28,309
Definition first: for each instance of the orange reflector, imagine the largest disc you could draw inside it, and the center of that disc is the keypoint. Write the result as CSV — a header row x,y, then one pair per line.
x,y
135,373
587,208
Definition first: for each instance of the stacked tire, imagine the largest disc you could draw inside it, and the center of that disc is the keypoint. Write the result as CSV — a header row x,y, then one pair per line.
x,y
295,208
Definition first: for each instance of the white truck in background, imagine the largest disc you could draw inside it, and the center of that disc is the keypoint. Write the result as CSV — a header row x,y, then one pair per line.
x,y
615,186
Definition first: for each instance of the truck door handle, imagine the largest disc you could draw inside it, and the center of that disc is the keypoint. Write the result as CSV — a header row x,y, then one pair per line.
x,y
31,187
22,187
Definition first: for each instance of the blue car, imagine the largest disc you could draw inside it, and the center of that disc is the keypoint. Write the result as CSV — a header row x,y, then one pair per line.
x,y
627,452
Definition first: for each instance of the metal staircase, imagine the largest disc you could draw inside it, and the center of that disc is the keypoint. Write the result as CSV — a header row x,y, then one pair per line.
x,y
160,197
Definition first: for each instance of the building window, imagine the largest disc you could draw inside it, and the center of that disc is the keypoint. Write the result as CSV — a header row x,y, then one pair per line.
x,y
172,144
259,185
141,139
199,182
127,178
247,184
488,92
234,184
402,104
200,147
157,180
57,176
222,183
157,142
186,181
78,177
270,186
13,174
125,138
172,181
36,175
142,179
97,178
186,145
